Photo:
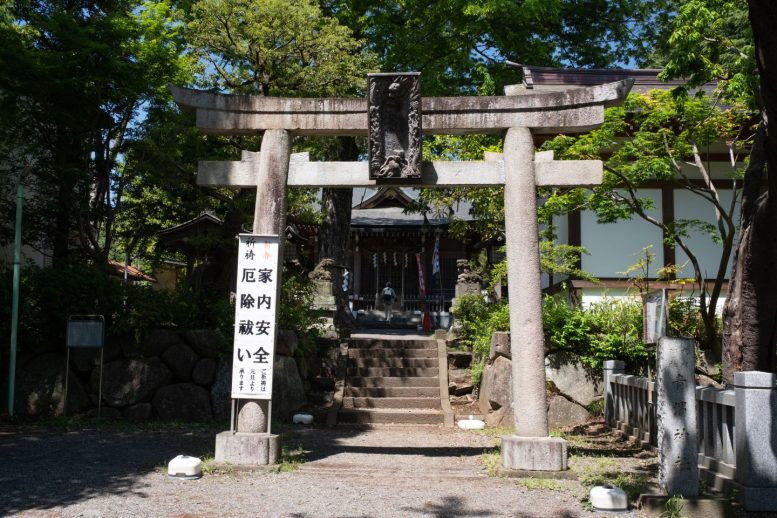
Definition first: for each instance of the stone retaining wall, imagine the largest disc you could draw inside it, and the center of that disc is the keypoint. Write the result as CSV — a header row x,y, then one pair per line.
x,y
571,388
170,374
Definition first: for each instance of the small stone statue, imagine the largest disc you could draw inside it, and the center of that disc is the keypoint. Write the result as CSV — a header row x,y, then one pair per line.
x,y
465,273
322,271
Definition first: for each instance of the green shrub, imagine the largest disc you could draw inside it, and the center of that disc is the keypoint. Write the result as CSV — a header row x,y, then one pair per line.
x,y
476,321
296,311
610,329
685,319
48,296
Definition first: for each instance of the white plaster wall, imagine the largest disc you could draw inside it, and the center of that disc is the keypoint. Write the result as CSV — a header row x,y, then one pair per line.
x,y
616,246
689,206
595,295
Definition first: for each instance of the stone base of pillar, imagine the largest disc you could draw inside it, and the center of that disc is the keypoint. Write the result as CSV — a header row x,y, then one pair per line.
x,y
534,453
257,449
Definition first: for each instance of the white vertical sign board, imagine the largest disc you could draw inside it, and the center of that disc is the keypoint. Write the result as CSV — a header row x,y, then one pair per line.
x,y
655,315
255,310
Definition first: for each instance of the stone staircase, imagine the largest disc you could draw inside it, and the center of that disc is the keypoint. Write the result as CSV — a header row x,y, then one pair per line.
x,y
392,380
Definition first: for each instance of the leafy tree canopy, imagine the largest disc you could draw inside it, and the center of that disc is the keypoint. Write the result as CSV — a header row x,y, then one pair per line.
x,y
276,47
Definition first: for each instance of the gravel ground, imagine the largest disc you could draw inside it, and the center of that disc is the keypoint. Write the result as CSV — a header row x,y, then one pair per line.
x,y
389,471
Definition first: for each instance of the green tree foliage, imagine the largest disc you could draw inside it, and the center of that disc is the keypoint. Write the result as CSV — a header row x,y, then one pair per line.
x,y
448,41
712,40
660,136
83,73
264,47
276,47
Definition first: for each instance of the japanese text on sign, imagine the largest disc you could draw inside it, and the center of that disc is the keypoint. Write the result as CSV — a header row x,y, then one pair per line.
x,y
255,305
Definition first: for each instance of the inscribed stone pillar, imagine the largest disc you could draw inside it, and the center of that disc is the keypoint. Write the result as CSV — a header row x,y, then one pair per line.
x,y
530,448
678,473
269,219
611,367
756,439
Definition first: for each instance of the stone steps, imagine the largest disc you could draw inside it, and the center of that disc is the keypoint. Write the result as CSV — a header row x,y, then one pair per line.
x,y
392,402
389,392
406,372
416,363
392,343
392,381
390,416
392,353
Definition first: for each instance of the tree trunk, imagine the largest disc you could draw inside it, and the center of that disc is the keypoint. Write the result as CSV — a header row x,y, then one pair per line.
x,y
218,277
335,232
67,163
750,313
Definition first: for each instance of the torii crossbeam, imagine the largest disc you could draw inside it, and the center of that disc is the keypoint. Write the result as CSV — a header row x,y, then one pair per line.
x,y
519,169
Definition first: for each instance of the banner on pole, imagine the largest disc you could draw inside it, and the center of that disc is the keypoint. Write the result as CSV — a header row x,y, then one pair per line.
x,y
436,257
255,310
421,285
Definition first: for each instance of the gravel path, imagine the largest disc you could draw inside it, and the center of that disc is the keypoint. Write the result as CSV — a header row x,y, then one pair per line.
x,y
388,471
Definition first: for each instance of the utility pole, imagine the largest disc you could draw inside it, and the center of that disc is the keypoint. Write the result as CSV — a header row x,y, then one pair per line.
x,y
17,261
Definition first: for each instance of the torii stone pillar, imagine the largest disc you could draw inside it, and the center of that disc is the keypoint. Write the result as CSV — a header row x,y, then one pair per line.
x,y
253,444
269,219
530,448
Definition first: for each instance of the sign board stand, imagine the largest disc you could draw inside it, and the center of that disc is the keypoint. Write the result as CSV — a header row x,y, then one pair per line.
x,y
260,262
85,331
655,315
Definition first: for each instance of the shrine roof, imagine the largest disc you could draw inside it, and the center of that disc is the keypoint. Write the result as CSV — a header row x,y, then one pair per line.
x,y
549,79
395,215
133,273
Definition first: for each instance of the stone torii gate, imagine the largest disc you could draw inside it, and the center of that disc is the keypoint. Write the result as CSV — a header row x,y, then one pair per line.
x,y
518,168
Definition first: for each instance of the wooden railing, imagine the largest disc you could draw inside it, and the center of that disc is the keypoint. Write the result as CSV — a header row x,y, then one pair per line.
x,y
406,304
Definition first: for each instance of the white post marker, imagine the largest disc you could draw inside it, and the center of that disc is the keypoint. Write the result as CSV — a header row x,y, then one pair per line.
x,y
255,325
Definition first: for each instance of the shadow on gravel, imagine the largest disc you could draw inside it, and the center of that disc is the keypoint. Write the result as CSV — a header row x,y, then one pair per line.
x,y
45,467
320,443
451,506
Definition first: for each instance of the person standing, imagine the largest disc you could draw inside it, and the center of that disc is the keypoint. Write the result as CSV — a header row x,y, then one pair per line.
x,y
389,296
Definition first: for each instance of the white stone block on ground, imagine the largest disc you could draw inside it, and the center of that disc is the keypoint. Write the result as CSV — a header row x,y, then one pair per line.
x,y
184,467
302,419
608,498
471,424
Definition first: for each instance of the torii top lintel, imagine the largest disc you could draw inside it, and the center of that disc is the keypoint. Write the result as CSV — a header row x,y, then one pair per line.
x,y
574,110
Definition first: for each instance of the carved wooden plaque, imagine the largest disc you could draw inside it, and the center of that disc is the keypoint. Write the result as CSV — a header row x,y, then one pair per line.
x,y
394,127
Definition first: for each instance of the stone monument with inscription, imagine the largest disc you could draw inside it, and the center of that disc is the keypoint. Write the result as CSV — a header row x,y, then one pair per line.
x,y
676,417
